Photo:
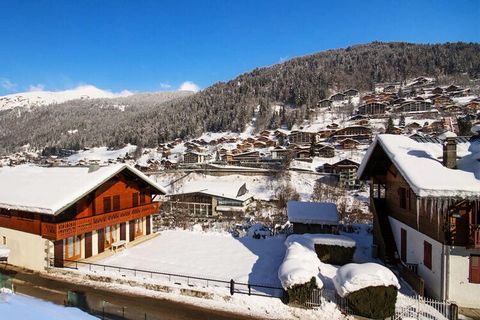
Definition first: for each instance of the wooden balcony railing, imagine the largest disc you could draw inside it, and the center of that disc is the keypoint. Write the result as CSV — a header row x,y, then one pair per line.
x,y
474,236
62,230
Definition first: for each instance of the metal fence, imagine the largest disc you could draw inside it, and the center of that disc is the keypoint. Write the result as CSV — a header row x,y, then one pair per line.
x,y
254,289
419,307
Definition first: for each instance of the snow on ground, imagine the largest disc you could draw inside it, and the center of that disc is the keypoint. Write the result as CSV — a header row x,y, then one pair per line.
x,y
262,187
206,254
15,306
101,154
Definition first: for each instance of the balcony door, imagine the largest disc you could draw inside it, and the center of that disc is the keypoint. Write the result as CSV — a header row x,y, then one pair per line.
x,y
110,236
73,248
403,245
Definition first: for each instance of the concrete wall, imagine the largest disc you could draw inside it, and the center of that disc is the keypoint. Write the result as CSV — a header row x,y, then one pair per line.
x,y
26,250
460,290
415,241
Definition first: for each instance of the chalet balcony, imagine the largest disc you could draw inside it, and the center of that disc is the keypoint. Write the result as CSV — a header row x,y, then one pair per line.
x,y
63,230
474,240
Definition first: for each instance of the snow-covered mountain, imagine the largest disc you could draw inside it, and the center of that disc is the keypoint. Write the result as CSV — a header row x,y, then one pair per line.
x,y
42,98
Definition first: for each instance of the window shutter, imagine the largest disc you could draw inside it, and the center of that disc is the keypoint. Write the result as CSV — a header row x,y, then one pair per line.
x,y
427,254
474,276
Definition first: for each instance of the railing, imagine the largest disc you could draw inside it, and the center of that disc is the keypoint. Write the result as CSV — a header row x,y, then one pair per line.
x,y
251,289
62,230
418,307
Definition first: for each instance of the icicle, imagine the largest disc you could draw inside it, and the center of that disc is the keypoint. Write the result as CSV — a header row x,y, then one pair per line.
x,y
431,209
419,203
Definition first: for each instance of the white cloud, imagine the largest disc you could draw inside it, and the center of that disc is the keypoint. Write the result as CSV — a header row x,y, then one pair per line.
x,y
189,86
165,86
7,84
36,87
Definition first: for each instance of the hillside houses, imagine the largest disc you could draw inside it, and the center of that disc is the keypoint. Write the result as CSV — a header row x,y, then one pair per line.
x,y
372,108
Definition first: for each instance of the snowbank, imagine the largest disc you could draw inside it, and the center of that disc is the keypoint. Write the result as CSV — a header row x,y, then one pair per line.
x,y
299,266
310,240
353,277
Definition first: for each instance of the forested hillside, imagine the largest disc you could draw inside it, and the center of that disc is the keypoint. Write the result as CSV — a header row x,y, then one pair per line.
x,y
298,83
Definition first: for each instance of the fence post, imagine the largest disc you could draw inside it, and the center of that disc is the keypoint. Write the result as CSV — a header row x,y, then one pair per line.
x,y
453,312
249,290
232,287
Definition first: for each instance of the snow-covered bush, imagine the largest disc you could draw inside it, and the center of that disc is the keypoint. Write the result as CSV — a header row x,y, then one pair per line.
x,y
370,289
299,294
334,249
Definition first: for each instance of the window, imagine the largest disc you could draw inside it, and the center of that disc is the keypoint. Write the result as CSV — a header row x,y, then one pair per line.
x,y
138,227
142,197
135,199
402,194
72,248
110,236
116,203
107,204
474,276
427,255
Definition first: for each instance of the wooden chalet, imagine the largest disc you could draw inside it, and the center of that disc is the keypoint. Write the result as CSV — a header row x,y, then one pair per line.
x,y
313,217
358,133
323,150
325,103
372,108
346,171
210,200
349,143
49,215
351,93
425,202
194,157
302,137
414,106
338,97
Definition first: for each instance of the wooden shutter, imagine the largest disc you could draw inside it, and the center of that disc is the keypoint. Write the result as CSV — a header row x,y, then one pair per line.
x,y
131,227
135,199
101,240
123,231
148,224
116,203
88,244
403,245
474,276
107,204
58,254
142,197
427,254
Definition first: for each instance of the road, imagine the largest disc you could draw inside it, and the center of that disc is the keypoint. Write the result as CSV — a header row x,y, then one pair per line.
x,y
111,304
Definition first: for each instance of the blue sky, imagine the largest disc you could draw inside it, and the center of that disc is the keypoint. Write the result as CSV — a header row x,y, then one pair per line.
x,y
157,45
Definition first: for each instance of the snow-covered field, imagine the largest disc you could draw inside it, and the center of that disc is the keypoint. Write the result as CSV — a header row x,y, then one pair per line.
x,y
15,306
207,254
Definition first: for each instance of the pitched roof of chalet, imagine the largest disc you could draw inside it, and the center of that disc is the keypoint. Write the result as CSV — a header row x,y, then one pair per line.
x,y
312,212
421,166
50,190
230,190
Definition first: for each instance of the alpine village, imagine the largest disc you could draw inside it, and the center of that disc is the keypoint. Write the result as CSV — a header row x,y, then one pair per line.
x,y
343,184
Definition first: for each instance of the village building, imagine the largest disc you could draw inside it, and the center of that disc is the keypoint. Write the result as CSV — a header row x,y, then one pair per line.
x,y
338,97
194,157
210,200
349,143
372,108
351,93
251,156
359,133
414,106
325,103
302,137
313,217
424,198
280,153
324,150
346,172
58,214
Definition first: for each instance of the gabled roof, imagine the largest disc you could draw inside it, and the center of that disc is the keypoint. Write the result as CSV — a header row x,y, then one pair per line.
x,y
421,166
230,190
312,212
50,190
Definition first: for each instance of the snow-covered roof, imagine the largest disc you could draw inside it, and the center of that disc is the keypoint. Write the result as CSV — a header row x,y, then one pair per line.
x,y
230,190
50,190
353,277
421,166
312,212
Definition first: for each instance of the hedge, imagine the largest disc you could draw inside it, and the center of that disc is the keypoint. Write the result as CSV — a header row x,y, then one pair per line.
x,y
336,255
373,302
299,294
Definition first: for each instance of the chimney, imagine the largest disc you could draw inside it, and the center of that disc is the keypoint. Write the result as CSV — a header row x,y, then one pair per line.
x,y
450,153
